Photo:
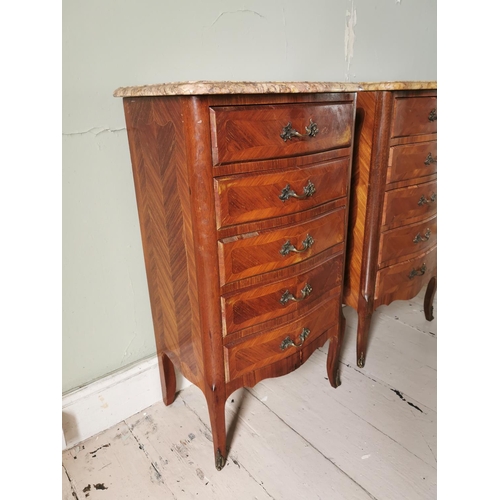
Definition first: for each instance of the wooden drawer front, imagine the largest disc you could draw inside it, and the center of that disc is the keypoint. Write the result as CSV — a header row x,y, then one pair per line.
x,y
242,133
265,302
245,198
260,252
407,240
408,203
411,161
252,353
403,281
414,115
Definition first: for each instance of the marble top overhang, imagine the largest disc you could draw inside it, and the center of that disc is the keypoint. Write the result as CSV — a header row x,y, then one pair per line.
x,y
214,88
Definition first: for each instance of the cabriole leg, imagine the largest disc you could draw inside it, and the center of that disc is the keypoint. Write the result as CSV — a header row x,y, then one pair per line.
x,y
167,377
333,359
216,410
429,298
364,321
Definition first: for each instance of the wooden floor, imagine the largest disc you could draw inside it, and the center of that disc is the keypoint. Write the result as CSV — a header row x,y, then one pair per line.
x,y
292,437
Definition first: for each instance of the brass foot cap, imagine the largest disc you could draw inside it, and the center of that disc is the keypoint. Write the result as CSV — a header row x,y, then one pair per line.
x,y
220,461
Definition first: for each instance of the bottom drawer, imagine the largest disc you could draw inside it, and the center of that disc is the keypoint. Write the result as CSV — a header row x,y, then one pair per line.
x,y
403,281
252,353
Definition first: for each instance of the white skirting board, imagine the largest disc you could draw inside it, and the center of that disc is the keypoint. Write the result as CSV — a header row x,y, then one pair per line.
x,y
100,405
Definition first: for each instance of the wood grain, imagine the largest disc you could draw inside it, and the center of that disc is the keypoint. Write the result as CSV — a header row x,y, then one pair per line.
x,y
158,154
412,115
257,351
407,205
263,251
411,161
260,304
395,282
407,241
242,133
212,235
246,198
394,199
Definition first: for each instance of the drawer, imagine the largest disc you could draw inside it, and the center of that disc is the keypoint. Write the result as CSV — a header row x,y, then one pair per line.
x,y
411,161
257,351
409,203
243,133
407,241
414,116
279,299
403,281
245,198
260,252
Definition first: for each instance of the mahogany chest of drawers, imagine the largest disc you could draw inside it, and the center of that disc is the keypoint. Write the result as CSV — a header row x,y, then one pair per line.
x,y
243,209
393,224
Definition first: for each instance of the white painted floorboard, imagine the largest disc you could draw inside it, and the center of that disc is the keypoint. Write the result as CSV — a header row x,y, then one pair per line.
x,y
291,437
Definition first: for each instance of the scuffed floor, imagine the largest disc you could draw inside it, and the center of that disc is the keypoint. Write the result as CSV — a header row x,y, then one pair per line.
x,y
292,437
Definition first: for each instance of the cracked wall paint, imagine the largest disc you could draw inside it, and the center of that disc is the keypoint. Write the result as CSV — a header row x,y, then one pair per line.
x,y
246,11
95,131
349,38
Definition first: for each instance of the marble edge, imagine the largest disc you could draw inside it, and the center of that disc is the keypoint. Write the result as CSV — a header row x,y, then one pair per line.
x,y
226,87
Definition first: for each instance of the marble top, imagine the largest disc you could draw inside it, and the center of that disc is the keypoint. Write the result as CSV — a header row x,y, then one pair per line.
x,y
214,87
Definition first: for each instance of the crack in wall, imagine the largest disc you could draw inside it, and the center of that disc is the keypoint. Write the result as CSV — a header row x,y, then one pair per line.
x,y
96,131
246,11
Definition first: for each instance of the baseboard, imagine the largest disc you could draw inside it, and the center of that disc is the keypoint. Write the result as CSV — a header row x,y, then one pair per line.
x,y
102,404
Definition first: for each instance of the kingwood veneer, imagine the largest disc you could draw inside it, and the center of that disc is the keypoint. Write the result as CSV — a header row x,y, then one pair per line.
x,y
243,208
391,249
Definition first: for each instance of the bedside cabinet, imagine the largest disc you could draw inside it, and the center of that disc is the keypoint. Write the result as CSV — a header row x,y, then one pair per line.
x,y
391,251
243,209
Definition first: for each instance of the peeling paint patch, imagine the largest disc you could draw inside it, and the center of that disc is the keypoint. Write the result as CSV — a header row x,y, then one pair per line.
x,y
349,37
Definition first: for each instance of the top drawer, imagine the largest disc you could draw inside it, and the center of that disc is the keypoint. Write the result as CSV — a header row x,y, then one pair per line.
x,y
243,133
414,116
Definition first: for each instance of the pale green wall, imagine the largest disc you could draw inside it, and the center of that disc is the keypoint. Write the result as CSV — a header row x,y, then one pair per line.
x,y
107,44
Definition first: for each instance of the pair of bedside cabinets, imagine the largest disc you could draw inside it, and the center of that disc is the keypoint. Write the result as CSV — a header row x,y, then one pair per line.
x,y
250,221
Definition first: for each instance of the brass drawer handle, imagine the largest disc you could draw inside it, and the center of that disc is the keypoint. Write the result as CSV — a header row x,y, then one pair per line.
x,y
417,272
425,237
305,292
423,200
288,132
288,247
433,115
287,192
430,159
288,342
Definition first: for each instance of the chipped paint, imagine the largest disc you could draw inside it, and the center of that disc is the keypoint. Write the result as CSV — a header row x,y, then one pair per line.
x,y
349,37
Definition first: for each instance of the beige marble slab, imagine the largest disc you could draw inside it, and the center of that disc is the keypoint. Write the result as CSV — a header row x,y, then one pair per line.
x,y
213,87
